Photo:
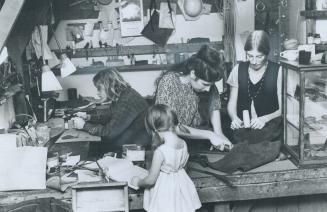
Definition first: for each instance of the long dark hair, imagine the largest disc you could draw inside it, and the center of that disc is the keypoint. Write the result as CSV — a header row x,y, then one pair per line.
x,y
207,64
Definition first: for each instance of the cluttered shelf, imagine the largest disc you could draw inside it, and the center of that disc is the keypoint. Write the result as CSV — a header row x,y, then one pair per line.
x,y
139,49
321,47
125,68
314,14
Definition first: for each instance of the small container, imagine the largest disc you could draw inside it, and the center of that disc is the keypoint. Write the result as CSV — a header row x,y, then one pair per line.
x,y
42,133
170,58
134,152
317,39
310,38
72,93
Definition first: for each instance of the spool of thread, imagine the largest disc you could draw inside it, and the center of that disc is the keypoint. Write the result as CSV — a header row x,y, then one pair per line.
x,y
246,119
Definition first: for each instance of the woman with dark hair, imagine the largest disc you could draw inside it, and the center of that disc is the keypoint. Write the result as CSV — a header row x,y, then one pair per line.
x,y
255,88
179,88
122,122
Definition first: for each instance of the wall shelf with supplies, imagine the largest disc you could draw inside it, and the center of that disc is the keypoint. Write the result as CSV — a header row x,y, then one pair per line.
x,y
139,50
321,47
126,68
314,14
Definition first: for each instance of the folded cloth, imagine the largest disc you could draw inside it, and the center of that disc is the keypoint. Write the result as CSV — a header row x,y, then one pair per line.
x,y
245,156
271,132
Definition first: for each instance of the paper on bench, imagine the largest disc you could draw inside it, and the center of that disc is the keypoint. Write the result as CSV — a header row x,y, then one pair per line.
x,y
23,168
121,170
7,141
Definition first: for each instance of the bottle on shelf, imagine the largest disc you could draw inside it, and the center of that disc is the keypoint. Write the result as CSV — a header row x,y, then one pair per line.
x,y
310,38
317,39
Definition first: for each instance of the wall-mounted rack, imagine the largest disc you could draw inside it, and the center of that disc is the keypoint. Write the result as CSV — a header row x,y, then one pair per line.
x,y
140,50
314,14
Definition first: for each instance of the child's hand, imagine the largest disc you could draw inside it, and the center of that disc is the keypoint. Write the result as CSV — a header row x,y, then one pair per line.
x,y
135,181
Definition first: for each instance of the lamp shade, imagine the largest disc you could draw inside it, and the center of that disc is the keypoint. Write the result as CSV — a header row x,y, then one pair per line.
x,y
49,80
67,67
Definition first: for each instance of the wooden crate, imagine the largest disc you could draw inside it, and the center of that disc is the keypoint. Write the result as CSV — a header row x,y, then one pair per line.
x,y
100,197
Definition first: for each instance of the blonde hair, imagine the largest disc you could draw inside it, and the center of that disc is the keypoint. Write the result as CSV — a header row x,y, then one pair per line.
x,y
112,81
160,118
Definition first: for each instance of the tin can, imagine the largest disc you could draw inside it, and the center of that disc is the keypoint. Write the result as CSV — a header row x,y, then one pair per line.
x,y
133,152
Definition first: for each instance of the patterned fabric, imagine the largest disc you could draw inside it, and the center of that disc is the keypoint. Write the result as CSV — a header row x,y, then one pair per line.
x,y
123,122
183,99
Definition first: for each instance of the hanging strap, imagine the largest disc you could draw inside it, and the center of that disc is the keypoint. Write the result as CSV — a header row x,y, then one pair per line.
x,y
153,6
171,13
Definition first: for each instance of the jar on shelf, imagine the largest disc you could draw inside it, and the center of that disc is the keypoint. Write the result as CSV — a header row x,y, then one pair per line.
x,y
310,38
317,39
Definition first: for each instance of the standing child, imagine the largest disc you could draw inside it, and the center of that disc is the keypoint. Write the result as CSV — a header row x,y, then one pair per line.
x,y
168,187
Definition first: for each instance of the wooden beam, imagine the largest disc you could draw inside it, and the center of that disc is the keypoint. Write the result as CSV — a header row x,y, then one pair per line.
x,y
8,15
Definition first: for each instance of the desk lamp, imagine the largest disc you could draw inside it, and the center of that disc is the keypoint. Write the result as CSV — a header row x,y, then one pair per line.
x,y
49,80
67,67
49,83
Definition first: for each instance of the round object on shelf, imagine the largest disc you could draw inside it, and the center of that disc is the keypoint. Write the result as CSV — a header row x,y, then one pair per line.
x,y
290,44
104,2
193,8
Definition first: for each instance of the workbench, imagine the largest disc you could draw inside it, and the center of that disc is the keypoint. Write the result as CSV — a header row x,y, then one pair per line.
x,y
273,180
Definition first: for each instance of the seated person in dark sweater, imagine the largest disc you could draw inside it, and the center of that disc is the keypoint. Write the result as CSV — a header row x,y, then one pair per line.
x,y
122,122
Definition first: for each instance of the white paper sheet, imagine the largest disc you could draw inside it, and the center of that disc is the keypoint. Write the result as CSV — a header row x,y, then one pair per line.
x,y
7,141
121,170
23,168
3,55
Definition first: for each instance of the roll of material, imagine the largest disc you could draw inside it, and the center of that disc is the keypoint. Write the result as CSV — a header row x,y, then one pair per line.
x,y
246,119
72,93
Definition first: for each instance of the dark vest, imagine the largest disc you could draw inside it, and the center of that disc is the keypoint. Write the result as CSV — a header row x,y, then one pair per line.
x,y
266,100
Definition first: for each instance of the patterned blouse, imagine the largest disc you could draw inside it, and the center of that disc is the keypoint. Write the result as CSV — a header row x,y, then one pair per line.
x,y
182,98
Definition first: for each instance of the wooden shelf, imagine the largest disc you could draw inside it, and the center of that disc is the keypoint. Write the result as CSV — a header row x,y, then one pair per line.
x,y
314,14
140,50
126,68
321,47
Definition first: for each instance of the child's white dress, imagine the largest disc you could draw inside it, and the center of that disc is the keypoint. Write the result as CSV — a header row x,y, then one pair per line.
x,y
174,191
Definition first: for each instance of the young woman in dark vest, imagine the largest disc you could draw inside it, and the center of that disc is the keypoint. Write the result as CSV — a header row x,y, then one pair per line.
x,y
255,86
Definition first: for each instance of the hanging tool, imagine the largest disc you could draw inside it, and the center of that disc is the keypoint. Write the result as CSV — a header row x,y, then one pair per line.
x,y
86,50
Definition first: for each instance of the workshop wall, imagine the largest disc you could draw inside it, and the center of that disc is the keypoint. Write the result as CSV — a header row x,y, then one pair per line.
x,y
207,26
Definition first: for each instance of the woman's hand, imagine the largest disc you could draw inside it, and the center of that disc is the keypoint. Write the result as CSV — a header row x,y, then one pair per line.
x,y
258,123
82,115
135,181
78,123
236,124
219,142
